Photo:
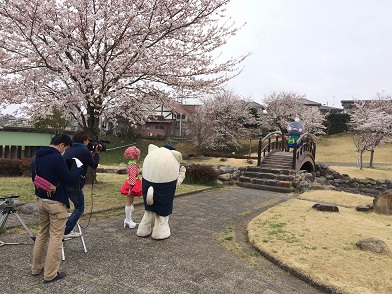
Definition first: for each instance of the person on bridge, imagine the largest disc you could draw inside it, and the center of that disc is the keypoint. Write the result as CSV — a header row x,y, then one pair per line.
x,y
295,129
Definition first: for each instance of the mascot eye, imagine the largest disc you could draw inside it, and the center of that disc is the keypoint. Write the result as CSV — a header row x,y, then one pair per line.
x,y
289,128
300,130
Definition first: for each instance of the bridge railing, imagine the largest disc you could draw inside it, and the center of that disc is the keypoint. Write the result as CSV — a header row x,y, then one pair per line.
x,y
274,141
305,145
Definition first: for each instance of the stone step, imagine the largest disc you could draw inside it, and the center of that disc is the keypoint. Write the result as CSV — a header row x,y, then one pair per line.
x,y
266,187
263,181
269,169
272,176
268,178
277,166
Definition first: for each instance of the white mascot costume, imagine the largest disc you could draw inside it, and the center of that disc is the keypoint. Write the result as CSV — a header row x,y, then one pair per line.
x,y
161,175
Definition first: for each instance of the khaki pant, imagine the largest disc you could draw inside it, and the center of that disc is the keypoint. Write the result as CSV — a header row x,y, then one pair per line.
x,y
53,216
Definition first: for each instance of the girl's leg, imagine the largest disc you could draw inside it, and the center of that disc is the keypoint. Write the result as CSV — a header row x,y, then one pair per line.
x,y
128,212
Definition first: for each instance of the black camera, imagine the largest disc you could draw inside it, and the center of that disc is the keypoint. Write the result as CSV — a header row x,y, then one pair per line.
x,y
93,142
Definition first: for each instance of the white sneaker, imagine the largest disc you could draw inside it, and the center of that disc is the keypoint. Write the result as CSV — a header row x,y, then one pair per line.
x,y
73,234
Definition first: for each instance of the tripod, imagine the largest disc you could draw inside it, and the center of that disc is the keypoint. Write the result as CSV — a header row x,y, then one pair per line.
x,y
7,210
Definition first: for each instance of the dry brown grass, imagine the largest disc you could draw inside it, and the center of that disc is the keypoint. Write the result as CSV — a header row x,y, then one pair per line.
x,y
217,161
341,148
321,245
381,173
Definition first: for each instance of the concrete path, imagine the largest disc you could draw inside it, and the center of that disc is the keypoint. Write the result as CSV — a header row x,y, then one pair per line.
x,y
192,260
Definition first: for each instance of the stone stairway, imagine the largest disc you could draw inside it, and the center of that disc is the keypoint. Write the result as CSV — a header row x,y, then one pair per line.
x,y
274,174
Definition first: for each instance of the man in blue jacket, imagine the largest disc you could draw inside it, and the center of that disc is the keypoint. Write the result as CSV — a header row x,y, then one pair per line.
x,y
50,165
89,158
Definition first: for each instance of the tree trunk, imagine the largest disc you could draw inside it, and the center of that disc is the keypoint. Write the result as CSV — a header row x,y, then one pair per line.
x,y
371,158
360,159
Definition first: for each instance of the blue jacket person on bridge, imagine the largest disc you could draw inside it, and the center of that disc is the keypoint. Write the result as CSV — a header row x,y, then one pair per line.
x,y
295,129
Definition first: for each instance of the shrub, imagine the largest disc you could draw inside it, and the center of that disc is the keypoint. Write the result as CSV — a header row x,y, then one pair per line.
x,y
200,174
337,123
221,154
25,167
9,167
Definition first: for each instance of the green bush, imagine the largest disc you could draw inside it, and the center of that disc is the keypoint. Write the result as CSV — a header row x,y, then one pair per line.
x,y
222,154
200,174
337,123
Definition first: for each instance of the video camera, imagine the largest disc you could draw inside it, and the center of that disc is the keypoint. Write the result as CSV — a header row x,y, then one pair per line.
x,y
94,141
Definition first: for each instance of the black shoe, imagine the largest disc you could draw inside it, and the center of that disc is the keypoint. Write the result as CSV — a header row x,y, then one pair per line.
x,y
59,276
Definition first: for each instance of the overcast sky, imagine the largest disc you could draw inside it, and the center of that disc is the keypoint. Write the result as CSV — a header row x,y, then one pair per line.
x,y
330,50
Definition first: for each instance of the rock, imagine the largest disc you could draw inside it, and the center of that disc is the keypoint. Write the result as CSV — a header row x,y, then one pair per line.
x,y
224,177
326,207
364,208
319,186
122,164
18,203
236,175
249,161
304,186
223,159
337,175
29,208
383,203
373,245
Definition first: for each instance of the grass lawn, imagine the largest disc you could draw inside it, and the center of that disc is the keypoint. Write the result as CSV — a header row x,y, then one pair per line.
x,y
103,195
320,245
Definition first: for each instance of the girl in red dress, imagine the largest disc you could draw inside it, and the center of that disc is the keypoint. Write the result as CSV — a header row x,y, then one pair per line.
x,y
133,154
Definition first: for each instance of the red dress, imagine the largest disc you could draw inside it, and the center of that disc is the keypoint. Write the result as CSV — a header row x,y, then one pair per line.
x,y
133,171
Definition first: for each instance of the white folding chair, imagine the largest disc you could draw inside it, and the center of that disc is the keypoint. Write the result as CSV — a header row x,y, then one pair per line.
x,y
67,239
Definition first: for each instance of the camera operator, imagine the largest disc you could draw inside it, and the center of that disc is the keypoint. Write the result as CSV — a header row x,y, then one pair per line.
x,y
89,158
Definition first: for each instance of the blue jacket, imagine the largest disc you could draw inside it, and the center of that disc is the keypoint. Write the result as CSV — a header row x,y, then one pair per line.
x,y
51,166
81,152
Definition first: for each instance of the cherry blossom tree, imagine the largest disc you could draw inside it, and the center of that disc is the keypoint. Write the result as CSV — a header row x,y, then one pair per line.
x,y
109,58
281,108
371,123
220,121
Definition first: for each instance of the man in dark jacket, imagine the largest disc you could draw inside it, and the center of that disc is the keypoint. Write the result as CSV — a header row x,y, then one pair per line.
x,y
80,151
50,165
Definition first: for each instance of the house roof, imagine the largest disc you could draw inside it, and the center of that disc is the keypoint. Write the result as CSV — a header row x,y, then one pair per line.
x,y
311,103
256,105
183,108
327,108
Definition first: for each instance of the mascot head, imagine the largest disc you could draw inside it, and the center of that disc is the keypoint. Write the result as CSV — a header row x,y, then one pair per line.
x,y
132,153
295,128
161,165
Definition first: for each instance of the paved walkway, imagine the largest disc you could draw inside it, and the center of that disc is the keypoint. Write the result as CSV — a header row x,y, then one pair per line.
x,y
192,260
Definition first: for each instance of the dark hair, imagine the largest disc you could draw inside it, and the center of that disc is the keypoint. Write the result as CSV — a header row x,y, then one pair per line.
x,y
168,146
80,137
61,139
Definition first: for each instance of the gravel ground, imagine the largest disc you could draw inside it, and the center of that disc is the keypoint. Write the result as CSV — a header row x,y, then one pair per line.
x,y
192,260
